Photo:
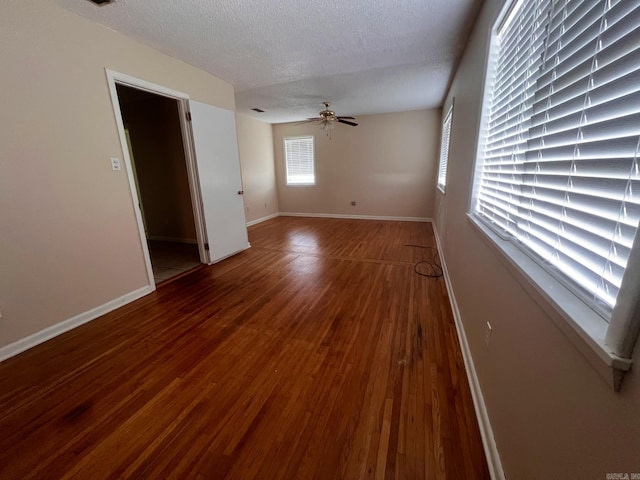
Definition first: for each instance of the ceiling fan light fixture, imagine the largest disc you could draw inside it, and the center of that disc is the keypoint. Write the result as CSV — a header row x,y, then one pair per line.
x,y
327,125
328,118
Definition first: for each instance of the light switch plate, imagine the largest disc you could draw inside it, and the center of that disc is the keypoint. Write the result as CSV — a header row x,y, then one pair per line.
x,y
115,163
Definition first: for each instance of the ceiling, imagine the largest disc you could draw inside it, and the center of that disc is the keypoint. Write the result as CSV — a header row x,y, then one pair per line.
x,y
288,56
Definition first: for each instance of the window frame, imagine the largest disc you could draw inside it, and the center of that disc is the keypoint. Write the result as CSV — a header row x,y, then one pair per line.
x,y
443,164
606,345
286,163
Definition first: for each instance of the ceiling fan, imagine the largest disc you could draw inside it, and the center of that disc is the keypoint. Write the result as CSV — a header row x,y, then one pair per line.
x,y
328,118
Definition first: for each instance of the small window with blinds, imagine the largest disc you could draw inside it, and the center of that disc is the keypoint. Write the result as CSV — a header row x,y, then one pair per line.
x,y
298,153
558,172
444,151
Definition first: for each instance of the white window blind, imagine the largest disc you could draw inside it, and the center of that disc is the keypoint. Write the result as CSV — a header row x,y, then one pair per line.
x,y
559,161
444,151
298,153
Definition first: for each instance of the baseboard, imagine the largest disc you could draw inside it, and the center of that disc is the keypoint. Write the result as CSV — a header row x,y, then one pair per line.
x,y
173,239
59,328
486,432
262,219
356,217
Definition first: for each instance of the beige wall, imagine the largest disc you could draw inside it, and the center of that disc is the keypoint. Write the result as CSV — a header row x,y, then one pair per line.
x,y
255,144
387,165
553,416
68,237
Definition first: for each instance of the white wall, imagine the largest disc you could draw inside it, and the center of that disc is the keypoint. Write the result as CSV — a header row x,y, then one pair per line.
x,y
387,165
68,237
553,416
255,144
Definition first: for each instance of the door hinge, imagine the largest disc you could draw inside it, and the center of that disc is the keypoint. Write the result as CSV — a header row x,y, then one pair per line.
x,y
206,247
188,116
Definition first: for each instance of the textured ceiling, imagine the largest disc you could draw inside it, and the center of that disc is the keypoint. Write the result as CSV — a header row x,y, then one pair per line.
x,y
287,56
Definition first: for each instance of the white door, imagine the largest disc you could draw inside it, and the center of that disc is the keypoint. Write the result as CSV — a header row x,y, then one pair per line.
x,y
216,147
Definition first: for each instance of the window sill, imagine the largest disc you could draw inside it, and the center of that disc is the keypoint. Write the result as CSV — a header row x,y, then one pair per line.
x,y
584,328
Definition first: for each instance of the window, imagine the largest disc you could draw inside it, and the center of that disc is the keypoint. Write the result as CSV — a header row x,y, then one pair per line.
x,y
298,153
444,151
558,159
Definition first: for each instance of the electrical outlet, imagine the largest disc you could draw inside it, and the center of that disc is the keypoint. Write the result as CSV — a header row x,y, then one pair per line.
x,y
115,163
487,334
353,203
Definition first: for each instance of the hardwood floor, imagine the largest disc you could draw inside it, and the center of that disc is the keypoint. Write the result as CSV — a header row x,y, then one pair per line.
x,y
317,354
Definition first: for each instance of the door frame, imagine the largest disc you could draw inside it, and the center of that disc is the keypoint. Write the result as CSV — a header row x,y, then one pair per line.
x,y
116,78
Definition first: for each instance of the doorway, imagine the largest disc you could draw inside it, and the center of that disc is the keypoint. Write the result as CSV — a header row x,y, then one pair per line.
x,y
152,127
210,150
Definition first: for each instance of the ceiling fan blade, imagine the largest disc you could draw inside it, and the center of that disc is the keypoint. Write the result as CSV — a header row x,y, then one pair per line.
x,y
347,123
346,118
307,121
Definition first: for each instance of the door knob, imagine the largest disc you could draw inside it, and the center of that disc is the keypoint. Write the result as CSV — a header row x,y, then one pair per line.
x,y
240,192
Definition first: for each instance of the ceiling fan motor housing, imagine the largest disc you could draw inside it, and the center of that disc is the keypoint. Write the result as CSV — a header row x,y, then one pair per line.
x,y
328,114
